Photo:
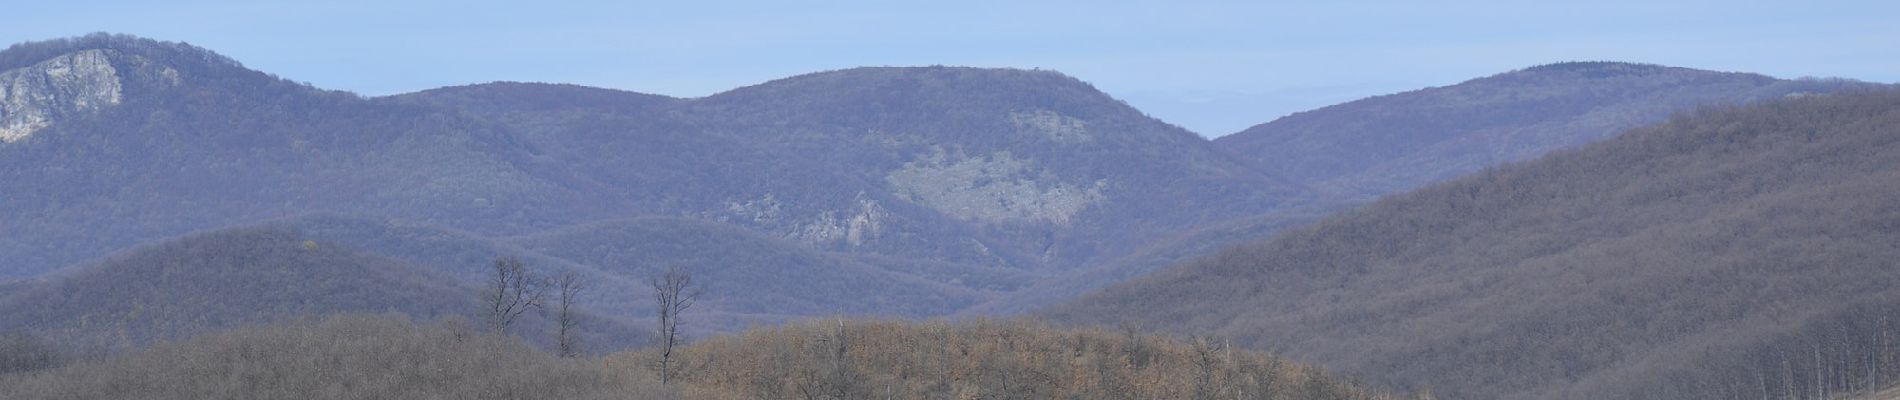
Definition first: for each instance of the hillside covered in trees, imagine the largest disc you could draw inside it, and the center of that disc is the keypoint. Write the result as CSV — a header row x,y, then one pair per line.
x,y
217,280
1398,142
1358,151
1738,252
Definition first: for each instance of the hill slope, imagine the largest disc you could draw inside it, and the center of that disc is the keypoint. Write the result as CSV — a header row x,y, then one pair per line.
x,y
1676,261
751,277
188,140
1026,169
1393,143
215,280
1354,152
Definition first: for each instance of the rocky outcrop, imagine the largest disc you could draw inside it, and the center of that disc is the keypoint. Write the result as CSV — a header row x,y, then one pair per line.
x,y
854,226
1057,127
33,97
995,188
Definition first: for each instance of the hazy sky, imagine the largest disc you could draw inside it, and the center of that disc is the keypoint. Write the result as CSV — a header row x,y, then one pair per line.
x,y
1213,67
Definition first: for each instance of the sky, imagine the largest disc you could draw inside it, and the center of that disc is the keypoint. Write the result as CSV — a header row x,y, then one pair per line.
x,y
1214,67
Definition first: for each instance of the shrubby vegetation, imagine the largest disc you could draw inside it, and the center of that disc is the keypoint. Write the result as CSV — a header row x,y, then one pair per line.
x,y
387,356
336,357
979,359
1692,259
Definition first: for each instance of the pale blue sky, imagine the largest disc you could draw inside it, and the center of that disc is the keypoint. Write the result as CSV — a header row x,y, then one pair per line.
x,y
1213,67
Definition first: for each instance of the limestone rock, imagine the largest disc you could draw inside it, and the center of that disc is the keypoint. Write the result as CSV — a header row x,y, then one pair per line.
x,y
995,188
33,97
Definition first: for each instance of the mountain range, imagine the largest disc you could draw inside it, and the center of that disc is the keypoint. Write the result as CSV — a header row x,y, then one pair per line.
x,y
901,192
912,191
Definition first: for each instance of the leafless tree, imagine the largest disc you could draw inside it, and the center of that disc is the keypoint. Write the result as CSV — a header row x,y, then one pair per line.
x,y
512,290
566,335
673,292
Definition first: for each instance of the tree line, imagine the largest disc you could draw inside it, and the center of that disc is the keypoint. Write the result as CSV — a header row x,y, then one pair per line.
x,y
514,289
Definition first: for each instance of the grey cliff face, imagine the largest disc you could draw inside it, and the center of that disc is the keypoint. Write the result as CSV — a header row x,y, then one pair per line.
x,y
31,98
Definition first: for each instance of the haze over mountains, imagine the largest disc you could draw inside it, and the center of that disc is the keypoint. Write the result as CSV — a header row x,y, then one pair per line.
x,y
891,191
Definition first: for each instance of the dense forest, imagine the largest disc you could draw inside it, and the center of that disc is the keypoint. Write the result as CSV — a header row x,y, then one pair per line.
x,y
1355,152
1397,142
233,277
1722,254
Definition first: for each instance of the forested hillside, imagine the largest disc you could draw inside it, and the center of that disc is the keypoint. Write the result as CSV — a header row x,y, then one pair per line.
x,y
1730,253
753,277
1355,152
227,278
749,278
195,141
1398,142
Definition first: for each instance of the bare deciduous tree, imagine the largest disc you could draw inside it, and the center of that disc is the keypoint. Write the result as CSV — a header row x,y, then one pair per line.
x,y
512,290
673,293
567,323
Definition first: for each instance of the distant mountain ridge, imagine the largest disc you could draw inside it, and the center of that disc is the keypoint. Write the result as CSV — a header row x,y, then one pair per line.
x,y
1397,142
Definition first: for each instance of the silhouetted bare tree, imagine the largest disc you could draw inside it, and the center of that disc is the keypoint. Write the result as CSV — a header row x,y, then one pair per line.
x,y
566,334
673,293
512,290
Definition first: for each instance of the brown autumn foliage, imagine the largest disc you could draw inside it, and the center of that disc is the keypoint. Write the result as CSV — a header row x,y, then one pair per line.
x,y
388,356
978,359
346,356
